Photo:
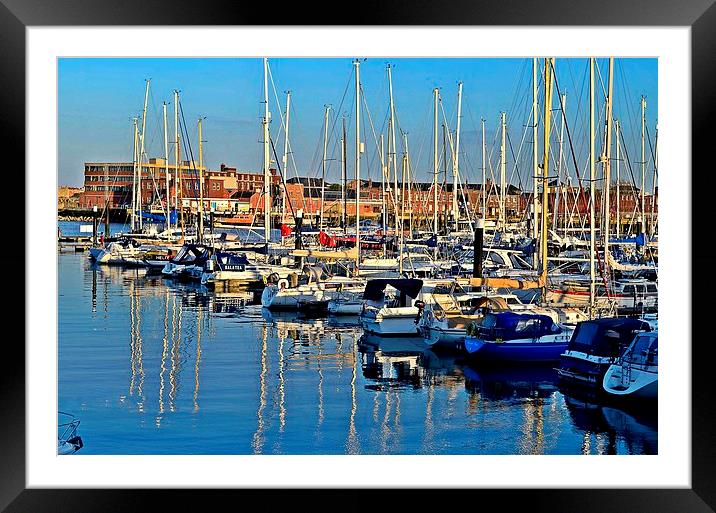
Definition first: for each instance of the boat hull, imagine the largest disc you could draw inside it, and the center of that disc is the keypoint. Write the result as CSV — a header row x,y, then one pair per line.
x,y
521,350
642,385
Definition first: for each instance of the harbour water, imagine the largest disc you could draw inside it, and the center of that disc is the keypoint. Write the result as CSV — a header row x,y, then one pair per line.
x,y
156,367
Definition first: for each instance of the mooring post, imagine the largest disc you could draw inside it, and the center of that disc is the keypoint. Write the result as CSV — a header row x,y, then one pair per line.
x,y
477,248
106,224
94,225
297,236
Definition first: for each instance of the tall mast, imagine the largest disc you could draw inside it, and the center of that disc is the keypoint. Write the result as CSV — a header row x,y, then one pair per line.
x,y
285,158
356,63
484,169
503,173
179,207
406,178
344,176
436,93
141,152
267,174
563,103
166,164
607,161
201,184
548,65
394,152
456,160
134,175
643,162
653,186
402,213
323,167
535,168
383,178
619,196
445,155
591,187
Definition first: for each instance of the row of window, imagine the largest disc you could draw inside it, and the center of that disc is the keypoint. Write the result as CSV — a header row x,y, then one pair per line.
x,y
98,178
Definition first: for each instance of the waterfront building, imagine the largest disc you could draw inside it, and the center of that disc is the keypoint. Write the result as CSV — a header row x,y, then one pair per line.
x,y
112,182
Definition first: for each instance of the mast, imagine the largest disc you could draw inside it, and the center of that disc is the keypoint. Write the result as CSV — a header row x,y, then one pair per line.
x,y
134,175
407,178
201,184
356,63
548,65
141,152
591,187
323,167
177,186
383,169
285,158
535,168
653,186
484,169
436,93
267,174
402,212
394,153
619,196
456,160
563,103
445,155
503,173
643,162
344,163
166,164
607,161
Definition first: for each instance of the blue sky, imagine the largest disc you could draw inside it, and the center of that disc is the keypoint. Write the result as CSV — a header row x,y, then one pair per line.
x,y
99,97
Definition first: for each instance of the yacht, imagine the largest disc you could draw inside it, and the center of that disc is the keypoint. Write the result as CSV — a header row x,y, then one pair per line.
x,y
188,255
225,270
515,337
391,317
636,374
311,291
594,346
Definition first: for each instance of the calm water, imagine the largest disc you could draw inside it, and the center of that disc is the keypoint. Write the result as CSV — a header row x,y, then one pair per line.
x,y
155,367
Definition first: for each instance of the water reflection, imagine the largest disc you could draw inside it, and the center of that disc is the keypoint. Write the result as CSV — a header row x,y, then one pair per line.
x,y
231,377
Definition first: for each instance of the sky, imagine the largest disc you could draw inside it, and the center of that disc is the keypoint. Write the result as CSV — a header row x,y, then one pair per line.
x,y
98,97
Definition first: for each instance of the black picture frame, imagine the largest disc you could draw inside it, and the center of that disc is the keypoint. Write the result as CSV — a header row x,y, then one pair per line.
x,y
700,15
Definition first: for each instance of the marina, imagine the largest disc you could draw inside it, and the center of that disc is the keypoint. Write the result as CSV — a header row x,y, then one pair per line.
x,y
151,366
224,312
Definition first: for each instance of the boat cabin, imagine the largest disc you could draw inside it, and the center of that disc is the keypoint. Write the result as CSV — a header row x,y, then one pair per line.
x,y
605,337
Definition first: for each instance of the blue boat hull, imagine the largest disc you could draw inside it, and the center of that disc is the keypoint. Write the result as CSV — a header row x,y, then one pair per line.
x,y
514,351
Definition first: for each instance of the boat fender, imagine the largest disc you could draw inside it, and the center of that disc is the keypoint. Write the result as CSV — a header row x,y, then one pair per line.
x,y
293,277
283,284
421,307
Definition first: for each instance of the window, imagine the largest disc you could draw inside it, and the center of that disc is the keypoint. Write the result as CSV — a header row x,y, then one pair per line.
x,y
496,259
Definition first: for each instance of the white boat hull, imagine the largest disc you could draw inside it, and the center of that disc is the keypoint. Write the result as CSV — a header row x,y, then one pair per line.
x,y
391,321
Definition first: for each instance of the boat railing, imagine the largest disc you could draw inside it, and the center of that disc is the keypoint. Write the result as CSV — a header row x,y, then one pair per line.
x,y
69,427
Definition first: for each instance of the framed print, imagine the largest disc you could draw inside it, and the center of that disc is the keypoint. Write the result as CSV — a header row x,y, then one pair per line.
x,y
419,254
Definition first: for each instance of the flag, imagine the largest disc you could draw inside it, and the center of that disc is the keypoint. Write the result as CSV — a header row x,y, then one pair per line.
x,y
286,230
